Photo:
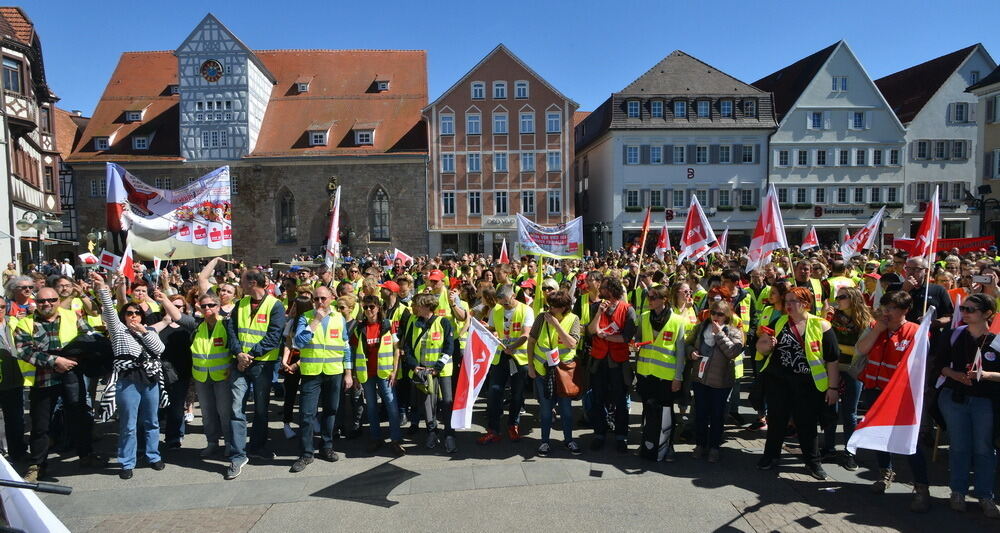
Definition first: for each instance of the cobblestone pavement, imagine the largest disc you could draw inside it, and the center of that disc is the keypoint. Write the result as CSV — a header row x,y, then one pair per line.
x,y
504,485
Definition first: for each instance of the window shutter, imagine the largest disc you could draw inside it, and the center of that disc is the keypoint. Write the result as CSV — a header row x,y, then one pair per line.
x,y
947,149
991,106
713,154
809,123
826,120
951,114
756,197
756,153
713,197
943,191
668,154
850,120
690,155
624,198
971,113
624,154
643,197
644,154
868,120
911,192
736,156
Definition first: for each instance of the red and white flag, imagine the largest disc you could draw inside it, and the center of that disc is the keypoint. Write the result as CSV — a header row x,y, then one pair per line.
x,y
504,258
698,238
927,235
109,260
401,255
847,234
478,353
769,235
89,259
893,423
156,264
645,231
333,239
663,243
956,317
723,242
125,267
864,238
811,240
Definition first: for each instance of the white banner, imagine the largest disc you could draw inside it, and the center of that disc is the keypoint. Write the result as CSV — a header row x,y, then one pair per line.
x,y
564,241
192,221
22,507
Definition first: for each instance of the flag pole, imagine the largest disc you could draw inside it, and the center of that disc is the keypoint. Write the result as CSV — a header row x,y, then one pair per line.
x,y
642,247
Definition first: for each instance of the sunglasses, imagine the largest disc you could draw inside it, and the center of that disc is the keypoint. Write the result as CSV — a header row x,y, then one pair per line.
x,y
718,313
133,313
842,296
25,287
341,308
46,300
371,307
209,306
967,309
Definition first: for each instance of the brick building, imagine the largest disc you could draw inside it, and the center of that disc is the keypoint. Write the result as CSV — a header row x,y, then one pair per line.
x,y
501,143
291,124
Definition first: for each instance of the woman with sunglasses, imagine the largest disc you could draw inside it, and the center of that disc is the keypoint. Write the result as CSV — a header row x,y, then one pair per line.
x,y
376,363
136,384
290,361
850,319
211,362
799,375
718,343
968,400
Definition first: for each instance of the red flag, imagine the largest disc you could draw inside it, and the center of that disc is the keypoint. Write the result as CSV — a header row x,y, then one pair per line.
x,y
928,233
645,231
476,359
399,254
769,235
504,258
811,240
698,237
893,423
125,268
663,243
864,238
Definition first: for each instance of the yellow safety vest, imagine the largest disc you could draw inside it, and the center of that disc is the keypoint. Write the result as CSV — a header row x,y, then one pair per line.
x,y
397,316
585,309
817,290
386,362
698,297
766,317
813,349
835,284
251,330
548,340
659,356
67,332
210,355
325,352
763,298
514,331
428,351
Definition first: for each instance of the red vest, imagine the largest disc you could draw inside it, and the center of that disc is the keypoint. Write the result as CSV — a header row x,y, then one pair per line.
x,y
885,356
611,325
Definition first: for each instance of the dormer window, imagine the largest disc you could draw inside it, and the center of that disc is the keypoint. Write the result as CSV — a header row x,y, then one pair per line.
x,y
174,89
101,143
317,138
381,85
133,116
632,108
364,137
302,86
140,143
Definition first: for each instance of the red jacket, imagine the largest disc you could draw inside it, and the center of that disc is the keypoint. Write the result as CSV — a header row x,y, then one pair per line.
x,y
886,354
611,325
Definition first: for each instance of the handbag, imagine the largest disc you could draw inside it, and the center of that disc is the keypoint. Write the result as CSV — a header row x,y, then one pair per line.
x,y
568,379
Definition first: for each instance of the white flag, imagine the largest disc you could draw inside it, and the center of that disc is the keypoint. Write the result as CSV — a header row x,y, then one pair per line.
x,y
478,353
864,238
698,238
333,241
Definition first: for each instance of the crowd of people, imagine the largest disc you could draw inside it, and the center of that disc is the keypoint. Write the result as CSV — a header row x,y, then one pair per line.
x,y
811,339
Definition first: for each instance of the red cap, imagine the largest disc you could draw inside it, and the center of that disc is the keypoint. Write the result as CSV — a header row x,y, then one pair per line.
x,y
391,285
454,282
873,275
435,275
528,284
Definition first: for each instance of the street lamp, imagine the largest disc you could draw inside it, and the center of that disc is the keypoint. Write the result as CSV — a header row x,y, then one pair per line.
x,y
36,220
982,204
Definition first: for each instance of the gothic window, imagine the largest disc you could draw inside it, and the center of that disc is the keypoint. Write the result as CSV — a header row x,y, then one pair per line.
x,y
379,216
286,217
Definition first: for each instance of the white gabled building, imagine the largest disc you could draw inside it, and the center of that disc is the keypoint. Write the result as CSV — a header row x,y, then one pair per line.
x,y
839,149
941,135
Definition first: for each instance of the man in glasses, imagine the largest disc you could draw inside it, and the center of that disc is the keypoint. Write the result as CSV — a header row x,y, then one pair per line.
x,y
355,277
39,338
915,283
325,364
20,296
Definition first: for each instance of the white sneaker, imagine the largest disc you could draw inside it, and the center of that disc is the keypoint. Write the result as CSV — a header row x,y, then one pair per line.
x,y
289,432
450,445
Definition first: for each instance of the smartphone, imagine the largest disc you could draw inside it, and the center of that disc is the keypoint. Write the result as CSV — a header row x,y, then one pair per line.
x,y
982,279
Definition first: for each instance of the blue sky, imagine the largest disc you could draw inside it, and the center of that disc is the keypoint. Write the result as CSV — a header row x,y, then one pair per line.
x,y
586,49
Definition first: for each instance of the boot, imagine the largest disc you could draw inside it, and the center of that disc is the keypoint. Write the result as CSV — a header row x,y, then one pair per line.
x,y
921,498
888,476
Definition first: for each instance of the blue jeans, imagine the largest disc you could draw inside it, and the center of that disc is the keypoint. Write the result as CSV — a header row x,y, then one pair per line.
x,y
918,462
259,373
545,411
710,409
847,407
376,385
314,390
498,378
138,404
970,430
177,394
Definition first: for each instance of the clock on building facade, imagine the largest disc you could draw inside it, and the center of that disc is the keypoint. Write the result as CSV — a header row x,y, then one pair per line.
x,y
211,70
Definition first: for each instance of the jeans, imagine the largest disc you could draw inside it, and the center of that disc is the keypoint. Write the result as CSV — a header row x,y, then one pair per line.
x,y
77,414
608,386
970,430
792,398
545,411
918,462
708,417
216,399
177,394
499,377
12,404
847,408
259,374
137,412
377,387
314,390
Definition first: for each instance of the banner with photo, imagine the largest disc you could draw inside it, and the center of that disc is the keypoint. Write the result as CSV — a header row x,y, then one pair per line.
x,y
186,223
562,241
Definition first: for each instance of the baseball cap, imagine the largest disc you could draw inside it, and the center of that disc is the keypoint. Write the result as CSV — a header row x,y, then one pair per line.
x,y
435,275
390,285
528,284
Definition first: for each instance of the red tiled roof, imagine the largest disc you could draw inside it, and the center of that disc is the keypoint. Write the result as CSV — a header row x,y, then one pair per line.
x,y
578,117
788,83
341,93
907,91
69,127
21,27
